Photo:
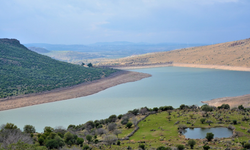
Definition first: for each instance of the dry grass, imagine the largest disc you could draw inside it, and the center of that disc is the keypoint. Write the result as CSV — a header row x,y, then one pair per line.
x,y
236,53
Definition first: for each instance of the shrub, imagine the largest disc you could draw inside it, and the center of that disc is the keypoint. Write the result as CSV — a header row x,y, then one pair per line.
x,y
191,143
119,143
10,126
163,148
247,145
41,140
224,106
89,138
129,125
85,147
206,147
180,147
202,120
234,121
120,116
206,108
209,136
48,129
50,144
69,138
240,107
142,146
79,141
29,129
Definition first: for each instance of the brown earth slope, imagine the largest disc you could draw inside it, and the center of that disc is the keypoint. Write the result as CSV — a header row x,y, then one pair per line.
x,y
236,53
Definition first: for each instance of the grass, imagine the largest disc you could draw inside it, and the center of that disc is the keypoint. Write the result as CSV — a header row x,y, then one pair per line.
x,y
156,130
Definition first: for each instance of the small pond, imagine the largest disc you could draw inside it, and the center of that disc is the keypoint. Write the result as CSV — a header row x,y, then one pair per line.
x,y
200,133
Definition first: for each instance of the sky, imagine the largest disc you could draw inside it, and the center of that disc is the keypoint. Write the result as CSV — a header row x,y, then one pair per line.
x,y
152,21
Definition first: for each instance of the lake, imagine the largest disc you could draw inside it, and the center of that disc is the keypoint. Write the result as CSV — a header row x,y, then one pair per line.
x,y
201,133
167,86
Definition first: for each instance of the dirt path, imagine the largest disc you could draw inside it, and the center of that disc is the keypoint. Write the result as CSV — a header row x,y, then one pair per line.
x,y
72,92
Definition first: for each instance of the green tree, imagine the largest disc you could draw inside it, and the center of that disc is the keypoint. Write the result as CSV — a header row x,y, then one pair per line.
x,y
247,145
241,107
41,140
206,147
83,64
129,125
69,138
191,143
89,138
163,148
180,147
202,120
50,144
209,136
48,129
79,141
142,146
29,129
90,65
10,126
206,108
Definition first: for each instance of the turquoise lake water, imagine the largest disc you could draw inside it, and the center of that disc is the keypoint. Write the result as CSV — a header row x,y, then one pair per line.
x,y
167,86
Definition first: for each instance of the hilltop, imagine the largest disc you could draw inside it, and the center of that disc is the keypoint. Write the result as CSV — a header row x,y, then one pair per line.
x,y
236,54
23,71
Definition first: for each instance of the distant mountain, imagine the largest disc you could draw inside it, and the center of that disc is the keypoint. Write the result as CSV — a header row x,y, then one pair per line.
x,y
235,53
38,49
23,71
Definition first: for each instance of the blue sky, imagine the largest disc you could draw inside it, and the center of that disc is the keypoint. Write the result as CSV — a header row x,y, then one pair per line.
x,y
153,21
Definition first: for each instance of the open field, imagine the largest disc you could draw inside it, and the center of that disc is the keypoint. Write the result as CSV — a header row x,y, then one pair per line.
x,y
71,92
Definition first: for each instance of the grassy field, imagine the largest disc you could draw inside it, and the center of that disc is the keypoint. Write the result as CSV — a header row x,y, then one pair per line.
x,y
157,130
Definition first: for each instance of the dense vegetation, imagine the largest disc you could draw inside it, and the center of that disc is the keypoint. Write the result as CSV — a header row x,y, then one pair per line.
x,y
158,128
23,71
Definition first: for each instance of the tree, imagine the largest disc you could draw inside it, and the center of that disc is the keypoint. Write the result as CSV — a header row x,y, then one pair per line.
x,y
89,138
191,143
117,132
112,118
110,139
69,138
10,126
180,147
83,64
206,147
247,145
129,125
209,136
41,140
48,129
142,146
241,107
29,129
51,144
206,108
134,120
224,106
90,65
202,120
101,131
163,148
79,141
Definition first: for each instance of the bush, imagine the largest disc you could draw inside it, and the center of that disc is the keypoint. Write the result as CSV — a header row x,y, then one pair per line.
x,y
234,121
209,136
129,125
29,129
224,106
206,108
50,144
180,147
89,138
69,138
10,126
41,140
163,148
85,147
206,147
191,143
120,116
79,141
142,146
202,120
119,143
241,107
247,145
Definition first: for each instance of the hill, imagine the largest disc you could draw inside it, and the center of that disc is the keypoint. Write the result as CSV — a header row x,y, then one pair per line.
x,y
236,53
23,71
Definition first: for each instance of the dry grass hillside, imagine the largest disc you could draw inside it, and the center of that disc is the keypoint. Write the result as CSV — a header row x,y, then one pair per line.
x,y
236,53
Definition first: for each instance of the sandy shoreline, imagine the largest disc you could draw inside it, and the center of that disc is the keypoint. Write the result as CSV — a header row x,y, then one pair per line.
x,y
232,101
80,90
233,68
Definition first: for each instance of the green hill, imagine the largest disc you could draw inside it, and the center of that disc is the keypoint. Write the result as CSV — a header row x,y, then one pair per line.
x,y
23,71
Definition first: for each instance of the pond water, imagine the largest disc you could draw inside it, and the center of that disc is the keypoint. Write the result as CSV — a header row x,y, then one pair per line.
x,y
200,133
167,86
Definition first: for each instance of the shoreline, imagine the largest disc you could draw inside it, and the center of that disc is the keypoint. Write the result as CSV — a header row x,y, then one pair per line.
x,y
232,101
220,67
76,91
